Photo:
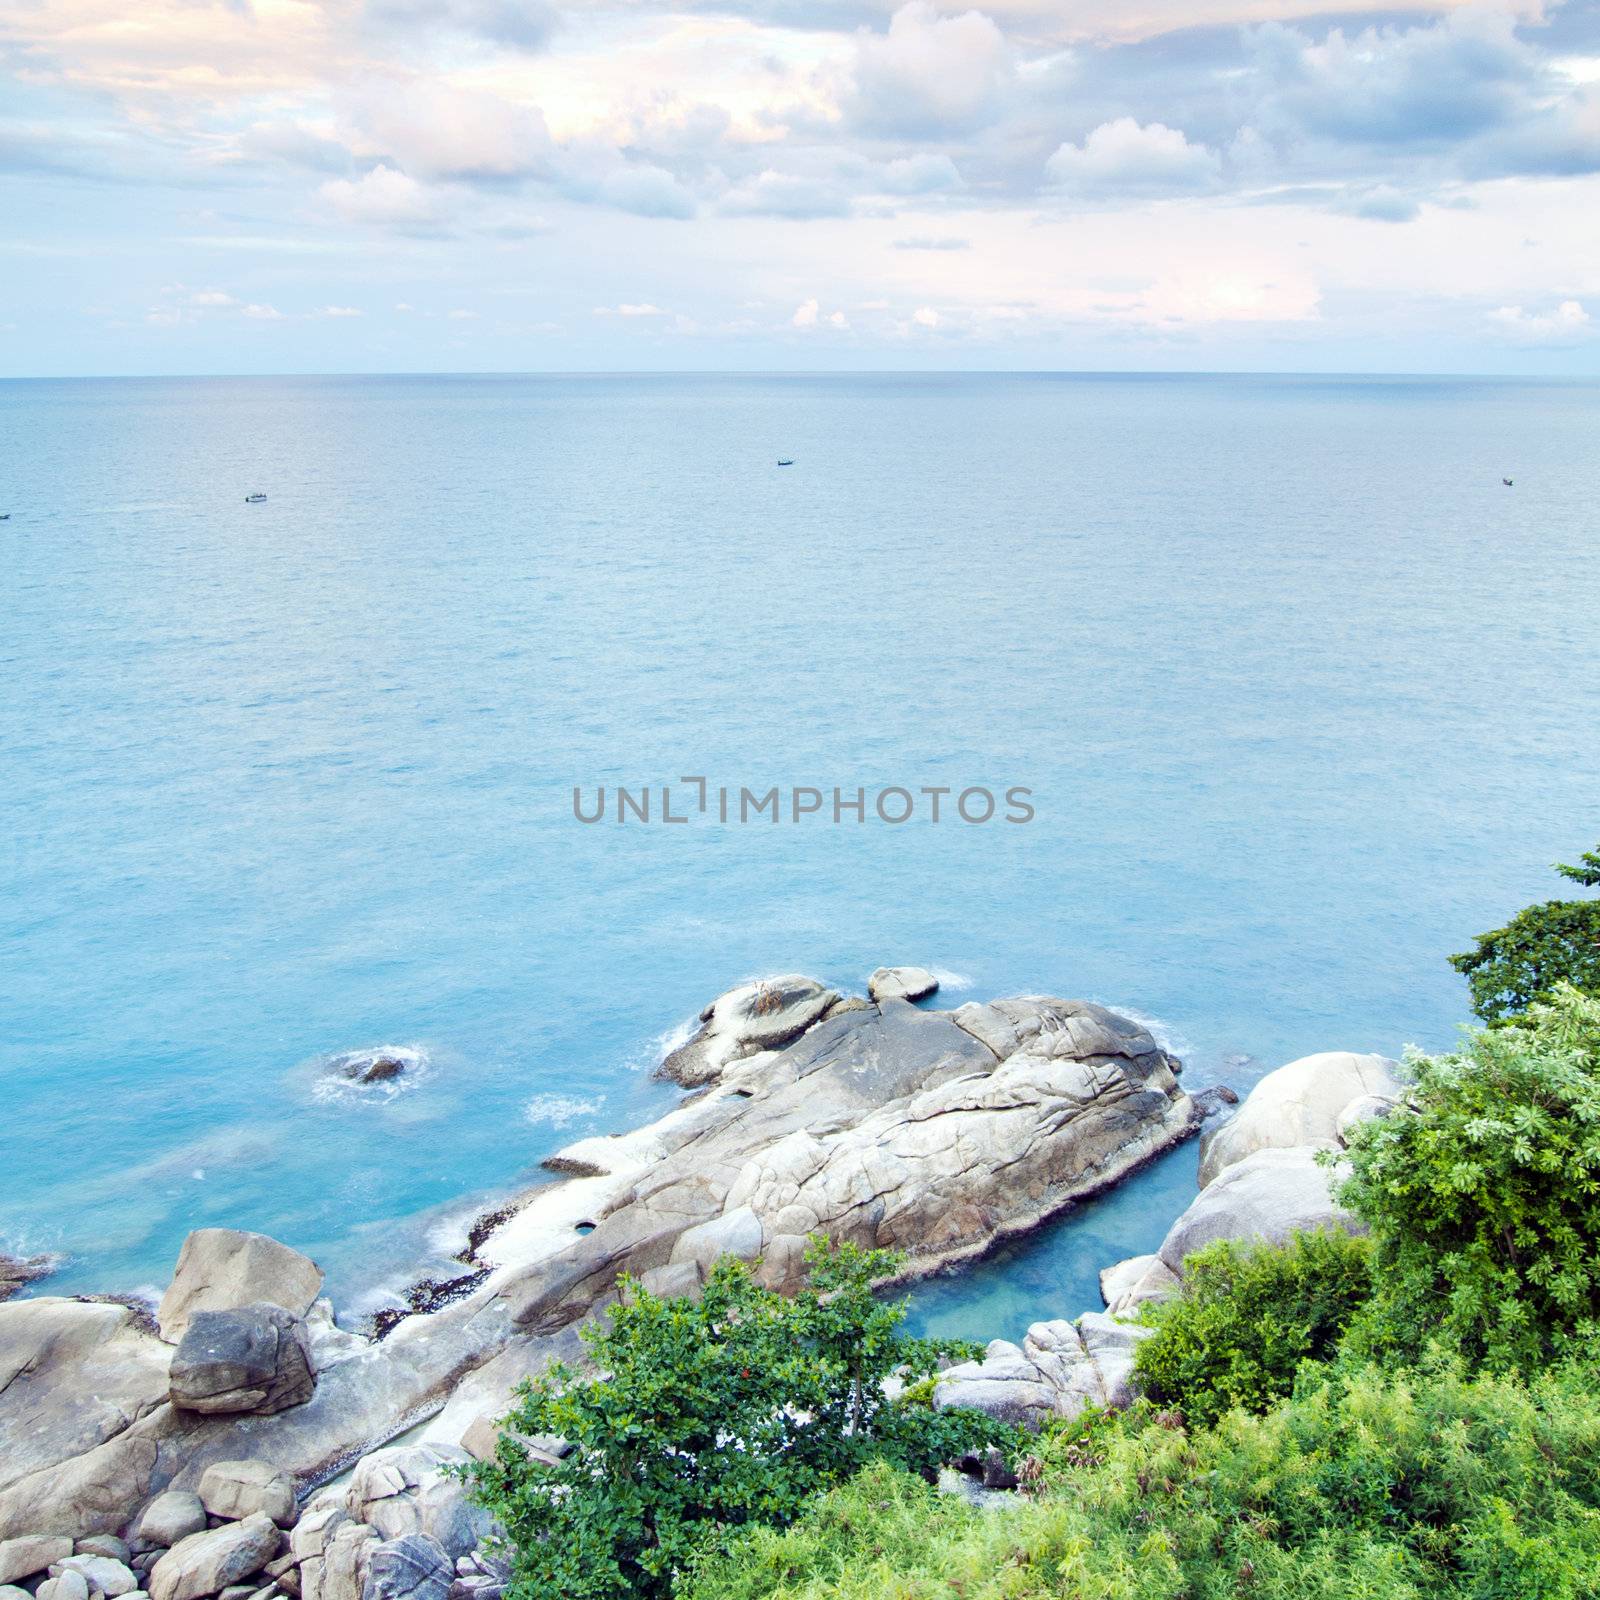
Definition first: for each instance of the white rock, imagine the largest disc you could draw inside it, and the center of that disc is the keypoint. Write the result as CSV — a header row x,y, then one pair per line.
x,y
902,983
1299,1104
68,1586
170,1517
35,1552
103,1575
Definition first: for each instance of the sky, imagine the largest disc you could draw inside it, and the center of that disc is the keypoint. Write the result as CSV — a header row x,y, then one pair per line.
x,y
242,186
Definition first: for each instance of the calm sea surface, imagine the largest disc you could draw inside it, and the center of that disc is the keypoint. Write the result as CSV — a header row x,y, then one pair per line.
x,y
1306,697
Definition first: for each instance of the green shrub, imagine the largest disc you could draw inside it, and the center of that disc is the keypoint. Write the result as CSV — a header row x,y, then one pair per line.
x,y
1484,1197
708,1415
1246,1318
1367,1486
1542,946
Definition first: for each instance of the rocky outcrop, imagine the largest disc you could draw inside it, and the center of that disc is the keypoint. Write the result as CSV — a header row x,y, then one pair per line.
x,y
234,1490
17,1272
73,1374
938,1133
902,983
257,1358
223,1269
934,1133
373,1066
1299,1105
1059,1368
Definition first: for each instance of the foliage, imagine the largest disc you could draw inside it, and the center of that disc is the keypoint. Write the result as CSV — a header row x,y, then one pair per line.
x,y
1538,948
1365,1486
1247,1317
711,1414
1484,1197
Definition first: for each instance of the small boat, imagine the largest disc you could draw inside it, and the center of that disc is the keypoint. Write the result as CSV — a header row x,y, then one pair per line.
x,y
1506,482
5,516
788,461
254,499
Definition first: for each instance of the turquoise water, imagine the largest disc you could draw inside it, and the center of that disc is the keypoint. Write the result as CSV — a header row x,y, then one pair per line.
x,y
1305,697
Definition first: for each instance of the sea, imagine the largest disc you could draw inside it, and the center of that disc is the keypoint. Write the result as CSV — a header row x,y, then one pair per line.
x,y
1302,693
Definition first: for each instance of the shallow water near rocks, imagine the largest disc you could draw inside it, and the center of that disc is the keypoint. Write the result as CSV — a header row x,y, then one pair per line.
x,y
1305,697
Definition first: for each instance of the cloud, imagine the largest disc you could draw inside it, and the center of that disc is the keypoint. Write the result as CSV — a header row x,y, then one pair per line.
x,y
930,75
381,197
646,191
1381,203
1128,157
517,24
783,194
436,131
924,242
263,313
920,174
644,309
340,311
1567,323
926,317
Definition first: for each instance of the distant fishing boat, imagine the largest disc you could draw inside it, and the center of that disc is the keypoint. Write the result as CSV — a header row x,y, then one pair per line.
x,y
254,499
788,461
1506,482
5,516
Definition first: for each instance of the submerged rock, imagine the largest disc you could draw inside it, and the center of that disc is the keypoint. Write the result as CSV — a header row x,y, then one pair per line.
x,y
902,983
224,1269
373,1066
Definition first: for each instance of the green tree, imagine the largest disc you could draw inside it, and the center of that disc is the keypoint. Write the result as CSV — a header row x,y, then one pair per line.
x,y
710,1415
1483,1196
1538,948
1245,1319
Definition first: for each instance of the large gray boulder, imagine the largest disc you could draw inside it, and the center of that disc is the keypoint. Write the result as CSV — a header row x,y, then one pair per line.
x,y
1300,1104
753,1017
223,1269
207,1563
168,1518
1059,1369
31,1554
257,1358
410,1489
73,1374
412,1567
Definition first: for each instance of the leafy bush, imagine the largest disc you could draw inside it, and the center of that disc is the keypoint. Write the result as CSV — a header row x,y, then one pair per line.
x,y
1365,1487
1540,947
709,1415
1484,1198
1246,1318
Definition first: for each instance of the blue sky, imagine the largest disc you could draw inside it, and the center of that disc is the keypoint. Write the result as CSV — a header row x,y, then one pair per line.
x,y
418,185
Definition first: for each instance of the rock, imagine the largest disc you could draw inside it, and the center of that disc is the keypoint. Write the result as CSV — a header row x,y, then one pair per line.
x,y
17,1272
890,1127
38,1552
1111,1345
240,1591
751,1018
103,1574
1117,1281
405,1490
103,1544
373,1066
1050,1375
96,1492
902,983
1214,1101
170,1517
9,1591
1299,1104
342,1573
238,1489
256,1358
1267,1195
73,1374
222,1269
68,1586
206,1563
413,1567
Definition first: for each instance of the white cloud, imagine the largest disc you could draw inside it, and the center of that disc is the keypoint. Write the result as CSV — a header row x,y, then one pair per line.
x,y
1128,157
461,314
340,311
926,317
433,129
263,313
383,196
784,194
930,74
627,309
805,315
921,174
1568,323
212,299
